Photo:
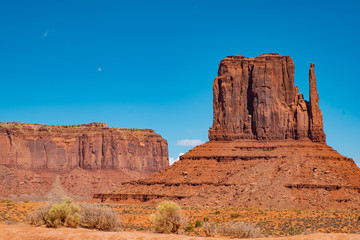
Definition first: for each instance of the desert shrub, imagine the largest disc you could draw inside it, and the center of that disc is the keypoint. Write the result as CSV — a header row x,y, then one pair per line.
x,y
63,214
66,213
217,212
206,219
189,228
293,230
210,229
38,218
6,201
359,218
198,223
240,230
168,218
234,215
97,216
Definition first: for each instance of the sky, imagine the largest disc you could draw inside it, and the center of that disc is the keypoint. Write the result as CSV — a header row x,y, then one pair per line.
x,y
151,64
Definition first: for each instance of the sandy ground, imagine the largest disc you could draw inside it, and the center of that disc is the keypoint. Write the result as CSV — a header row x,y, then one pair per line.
x,y
26,232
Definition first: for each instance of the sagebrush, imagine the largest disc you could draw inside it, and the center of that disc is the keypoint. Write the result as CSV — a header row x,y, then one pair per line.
x,y
240,230
98,216
38,218
210,229
69,214
63,214
168,218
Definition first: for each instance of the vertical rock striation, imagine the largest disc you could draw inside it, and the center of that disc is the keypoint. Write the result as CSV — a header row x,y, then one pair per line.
x,y
255,98
92,146
48,162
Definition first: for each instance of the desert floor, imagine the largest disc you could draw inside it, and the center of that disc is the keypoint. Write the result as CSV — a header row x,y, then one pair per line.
x,y
26,232
274,223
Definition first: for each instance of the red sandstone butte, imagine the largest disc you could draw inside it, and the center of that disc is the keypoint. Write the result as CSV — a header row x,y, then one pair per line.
x,y
255,98
267,148
81,158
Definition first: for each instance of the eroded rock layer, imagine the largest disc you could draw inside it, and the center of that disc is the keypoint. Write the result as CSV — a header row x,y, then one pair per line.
x,y
250,173
35,153
267,148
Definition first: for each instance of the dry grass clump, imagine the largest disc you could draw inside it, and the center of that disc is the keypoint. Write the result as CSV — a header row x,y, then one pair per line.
x,y
168,218
38,218
68,214
240,230
65,214
97,216
210,229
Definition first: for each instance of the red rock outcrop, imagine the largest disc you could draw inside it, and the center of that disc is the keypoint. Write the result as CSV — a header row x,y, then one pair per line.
x,y
88,146
267,148
255,98
316,132
42,151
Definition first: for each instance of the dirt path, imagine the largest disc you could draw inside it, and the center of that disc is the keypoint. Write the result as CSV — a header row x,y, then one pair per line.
x,y
26,232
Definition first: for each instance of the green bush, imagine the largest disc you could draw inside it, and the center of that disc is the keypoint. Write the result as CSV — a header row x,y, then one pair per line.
x,y
168,218
240,230
234,215
98,216
293,230
198,223
206,219
189,228
63,214
217,212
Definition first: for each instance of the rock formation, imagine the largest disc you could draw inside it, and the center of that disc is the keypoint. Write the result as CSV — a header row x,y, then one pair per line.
x,y
47,150
316,132
267,148
255,98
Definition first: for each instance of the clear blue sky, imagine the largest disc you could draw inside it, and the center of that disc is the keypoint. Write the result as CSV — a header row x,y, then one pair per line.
x,y
151,64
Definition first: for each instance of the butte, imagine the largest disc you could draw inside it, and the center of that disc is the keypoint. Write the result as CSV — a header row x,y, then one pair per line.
x,y
267,148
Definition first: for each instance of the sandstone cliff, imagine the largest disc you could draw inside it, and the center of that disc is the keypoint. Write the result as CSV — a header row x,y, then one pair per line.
x,y
83,158
267,148
255,98
88,146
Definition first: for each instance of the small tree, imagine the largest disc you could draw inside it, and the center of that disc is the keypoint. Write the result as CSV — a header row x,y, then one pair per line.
x,y
168,218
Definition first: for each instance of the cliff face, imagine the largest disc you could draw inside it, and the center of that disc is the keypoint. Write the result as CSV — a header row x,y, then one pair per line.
x,y
89,146
255,98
